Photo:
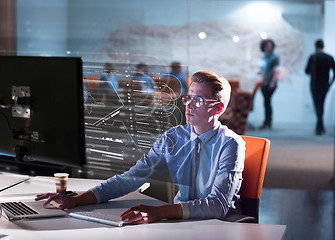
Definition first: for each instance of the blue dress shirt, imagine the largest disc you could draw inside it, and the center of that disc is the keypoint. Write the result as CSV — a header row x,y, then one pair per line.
x,y
219,176
147,83
112,82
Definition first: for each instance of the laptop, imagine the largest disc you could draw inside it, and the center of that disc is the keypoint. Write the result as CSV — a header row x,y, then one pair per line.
x,y
17,210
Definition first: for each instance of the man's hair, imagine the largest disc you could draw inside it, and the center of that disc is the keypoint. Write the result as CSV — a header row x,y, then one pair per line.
x,y
264,42
141,65
175,66
109,66
220,86
319,43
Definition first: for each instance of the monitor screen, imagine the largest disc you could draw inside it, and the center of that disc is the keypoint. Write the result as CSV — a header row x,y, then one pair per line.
x,y
41,110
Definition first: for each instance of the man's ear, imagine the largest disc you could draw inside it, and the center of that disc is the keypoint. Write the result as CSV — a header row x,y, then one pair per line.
x,y
220,108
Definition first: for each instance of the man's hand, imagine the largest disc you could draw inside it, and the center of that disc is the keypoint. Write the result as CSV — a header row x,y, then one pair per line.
x,y
272,85
141,214
146,214
65,201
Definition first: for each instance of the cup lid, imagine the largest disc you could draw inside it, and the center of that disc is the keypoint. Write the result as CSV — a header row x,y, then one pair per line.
x,y
61,174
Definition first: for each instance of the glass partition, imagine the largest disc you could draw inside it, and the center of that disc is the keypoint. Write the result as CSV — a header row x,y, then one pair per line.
x,y
219,36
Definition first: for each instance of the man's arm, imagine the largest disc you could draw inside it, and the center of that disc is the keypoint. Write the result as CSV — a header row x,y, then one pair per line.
x,y
148,167
276,68
308,66
333,67
85,198
275,77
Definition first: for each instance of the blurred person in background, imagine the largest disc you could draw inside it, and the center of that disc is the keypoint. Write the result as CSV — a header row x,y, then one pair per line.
x,y
270,73
109,84
318,66
145,79
176,71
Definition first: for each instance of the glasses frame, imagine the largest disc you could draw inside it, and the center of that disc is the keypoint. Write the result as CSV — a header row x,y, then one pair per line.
x,y
187,99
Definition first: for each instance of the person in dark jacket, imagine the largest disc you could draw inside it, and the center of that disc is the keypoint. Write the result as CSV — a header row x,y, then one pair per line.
x,y
318,66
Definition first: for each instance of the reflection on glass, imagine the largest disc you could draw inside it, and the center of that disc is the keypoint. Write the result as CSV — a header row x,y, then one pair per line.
x,y
122,125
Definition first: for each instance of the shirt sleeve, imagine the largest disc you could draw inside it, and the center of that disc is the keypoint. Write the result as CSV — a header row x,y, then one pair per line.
x,y
225,188
276,61
149,166
333,67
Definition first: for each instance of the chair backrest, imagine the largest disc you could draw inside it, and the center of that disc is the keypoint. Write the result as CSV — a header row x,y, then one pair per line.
x,y
234,84
130,85
92,82
256,156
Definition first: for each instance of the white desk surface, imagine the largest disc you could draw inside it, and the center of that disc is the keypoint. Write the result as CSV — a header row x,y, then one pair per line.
x,y
71,228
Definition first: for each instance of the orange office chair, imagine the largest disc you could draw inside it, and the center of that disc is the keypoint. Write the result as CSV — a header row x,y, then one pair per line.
x,y
92,83
256,156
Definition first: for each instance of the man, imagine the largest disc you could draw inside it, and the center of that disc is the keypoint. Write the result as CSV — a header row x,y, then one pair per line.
x,y
318,66
270,73
145,79
204,158
176,72
109,84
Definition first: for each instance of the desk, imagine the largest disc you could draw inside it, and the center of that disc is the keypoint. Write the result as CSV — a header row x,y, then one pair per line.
x,y
71,228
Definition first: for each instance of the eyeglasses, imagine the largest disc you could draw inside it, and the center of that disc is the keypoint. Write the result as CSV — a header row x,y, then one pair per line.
x,y
197,100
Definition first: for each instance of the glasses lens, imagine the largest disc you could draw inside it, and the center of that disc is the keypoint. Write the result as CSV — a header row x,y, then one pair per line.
x,y
198,101
186,100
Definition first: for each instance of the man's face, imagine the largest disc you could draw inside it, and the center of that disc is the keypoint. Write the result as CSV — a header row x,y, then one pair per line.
x,y
204,115
268,47
143,69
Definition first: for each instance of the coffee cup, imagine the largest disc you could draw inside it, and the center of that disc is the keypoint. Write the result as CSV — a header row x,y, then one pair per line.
x,y
61,181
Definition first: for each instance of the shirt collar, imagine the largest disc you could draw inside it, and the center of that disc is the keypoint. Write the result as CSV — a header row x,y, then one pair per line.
x,y
205,137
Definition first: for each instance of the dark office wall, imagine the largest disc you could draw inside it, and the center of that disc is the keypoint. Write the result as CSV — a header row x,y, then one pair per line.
x,y
42,27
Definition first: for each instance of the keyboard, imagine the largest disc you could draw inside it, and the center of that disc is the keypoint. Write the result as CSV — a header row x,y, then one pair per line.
x,y
18,208
98,217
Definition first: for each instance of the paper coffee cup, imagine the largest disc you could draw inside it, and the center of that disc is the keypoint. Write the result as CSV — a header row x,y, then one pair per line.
x,y
61,181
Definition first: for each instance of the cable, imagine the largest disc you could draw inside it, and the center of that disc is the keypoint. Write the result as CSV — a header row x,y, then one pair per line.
x,y
10,129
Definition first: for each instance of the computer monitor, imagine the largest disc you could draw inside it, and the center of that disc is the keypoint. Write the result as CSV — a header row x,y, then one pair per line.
x,y
41,110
